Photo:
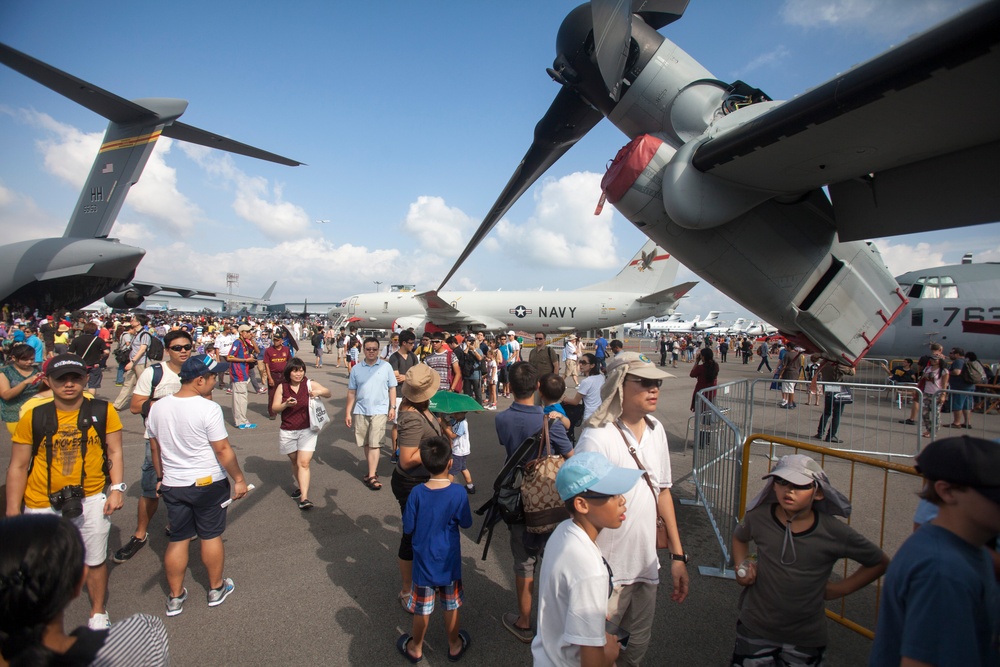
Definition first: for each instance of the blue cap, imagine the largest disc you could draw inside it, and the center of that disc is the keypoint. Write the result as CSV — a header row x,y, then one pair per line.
x,y
201,364
591,471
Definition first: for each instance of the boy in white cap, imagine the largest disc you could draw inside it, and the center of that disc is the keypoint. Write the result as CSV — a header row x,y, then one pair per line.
x,y
781,620
939,602
575,578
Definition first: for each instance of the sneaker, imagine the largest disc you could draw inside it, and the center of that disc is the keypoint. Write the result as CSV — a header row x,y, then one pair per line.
x,y
246,426
99,622
176,605
470,489
523,635
305,504
119,384
491,407
229,391
217,596
130,549
908,422
296,494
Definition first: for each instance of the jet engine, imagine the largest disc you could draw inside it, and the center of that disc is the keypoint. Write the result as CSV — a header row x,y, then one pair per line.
x,y
130,298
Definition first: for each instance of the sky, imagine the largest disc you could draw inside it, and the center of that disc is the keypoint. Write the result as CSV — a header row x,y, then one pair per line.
x,y
410,117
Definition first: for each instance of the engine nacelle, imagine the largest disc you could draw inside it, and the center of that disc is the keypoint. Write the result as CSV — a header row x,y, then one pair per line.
x,y
130,298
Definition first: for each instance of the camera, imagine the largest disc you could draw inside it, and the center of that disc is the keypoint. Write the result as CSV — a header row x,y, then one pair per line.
x,y
68,500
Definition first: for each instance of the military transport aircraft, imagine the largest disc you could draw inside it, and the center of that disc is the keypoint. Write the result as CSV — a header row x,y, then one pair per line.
x,y
85,264
641,289
944,301
731,182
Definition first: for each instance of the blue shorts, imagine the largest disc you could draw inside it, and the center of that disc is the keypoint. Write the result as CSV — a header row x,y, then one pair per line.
x,y
196,510
421,600
148,480
458,464
961,402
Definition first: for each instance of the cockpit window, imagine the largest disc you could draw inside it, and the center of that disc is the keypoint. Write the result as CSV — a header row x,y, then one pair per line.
x,y
934,287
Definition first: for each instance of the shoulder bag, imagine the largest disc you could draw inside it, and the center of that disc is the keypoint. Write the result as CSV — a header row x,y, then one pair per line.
x,y
543,509
319,418
662,542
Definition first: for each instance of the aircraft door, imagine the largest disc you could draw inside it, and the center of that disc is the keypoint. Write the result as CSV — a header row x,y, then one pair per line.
x,y
351,304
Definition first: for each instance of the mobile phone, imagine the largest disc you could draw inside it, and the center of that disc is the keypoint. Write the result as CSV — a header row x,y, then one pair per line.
x,y
292,400
618,632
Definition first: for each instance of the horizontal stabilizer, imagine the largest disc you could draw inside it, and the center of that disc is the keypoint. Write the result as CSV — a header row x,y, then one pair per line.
x,y
193,135
671,294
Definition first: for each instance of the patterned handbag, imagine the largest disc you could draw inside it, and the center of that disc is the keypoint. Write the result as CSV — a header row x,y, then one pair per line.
x,y
543,510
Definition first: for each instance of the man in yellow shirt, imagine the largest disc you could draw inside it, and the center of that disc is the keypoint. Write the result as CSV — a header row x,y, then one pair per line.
x,y
68,475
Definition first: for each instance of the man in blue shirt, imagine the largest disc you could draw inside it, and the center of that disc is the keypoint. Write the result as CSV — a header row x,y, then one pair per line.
x,y
522,420
601,352
371,397
36,344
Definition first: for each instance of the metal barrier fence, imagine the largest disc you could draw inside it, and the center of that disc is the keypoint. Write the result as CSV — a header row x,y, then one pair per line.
x,y
870,484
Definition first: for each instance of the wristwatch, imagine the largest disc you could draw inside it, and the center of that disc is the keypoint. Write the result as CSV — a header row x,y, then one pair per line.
x,y
118,487
684,558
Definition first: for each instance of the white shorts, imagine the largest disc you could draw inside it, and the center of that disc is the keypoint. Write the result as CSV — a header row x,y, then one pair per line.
x,y
94,527
302,440
787,387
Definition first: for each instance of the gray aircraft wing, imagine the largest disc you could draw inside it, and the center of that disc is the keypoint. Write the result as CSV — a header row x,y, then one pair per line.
x,y
906,141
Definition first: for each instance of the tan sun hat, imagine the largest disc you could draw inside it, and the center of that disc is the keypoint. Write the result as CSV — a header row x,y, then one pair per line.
x,y
421,383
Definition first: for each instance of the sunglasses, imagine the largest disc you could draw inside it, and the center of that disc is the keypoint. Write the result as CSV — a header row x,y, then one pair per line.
x,y
646,382
181,348
798,487
436,341
371,349
539,337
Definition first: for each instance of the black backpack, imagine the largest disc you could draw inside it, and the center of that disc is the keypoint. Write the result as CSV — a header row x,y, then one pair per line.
x,y
154,350
44,425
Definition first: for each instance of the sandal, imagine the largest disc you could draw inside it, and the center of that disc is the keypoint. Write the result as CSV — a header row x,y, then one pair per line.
x,y
372,482
466,641
401,644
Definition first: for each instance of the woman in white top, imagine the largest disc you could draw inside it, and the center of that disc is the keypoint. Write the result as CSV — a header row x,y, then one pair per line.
x,y
589,391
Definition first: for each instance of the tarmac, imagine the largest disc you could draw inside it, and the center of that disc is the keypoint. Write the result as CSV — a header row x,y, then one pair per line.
x,y
319,587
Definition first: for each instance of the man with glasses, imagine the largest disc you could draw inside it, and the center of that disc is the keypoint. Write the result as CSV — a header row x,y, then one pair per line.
x,y
424,350
67,471
157,381
445,363
624,429
543,358
371,401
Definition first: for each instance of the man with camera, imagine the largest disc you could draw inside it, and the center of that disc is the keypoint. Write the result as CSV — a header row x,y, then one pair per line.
x,y
65,454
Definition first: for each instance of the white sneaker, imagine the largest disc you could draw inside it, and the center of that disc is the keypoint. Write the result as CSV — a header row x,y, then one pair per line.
x,y
99,622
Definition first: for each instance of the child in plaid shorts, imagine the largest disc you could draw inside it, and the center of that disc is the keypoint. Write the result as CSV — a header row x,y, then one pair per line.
x,y
434,512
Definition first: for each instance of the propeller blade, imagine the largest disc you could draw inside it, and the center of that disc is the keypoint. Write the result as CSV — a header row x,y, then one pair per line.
x,y
612,31
658,13
568,119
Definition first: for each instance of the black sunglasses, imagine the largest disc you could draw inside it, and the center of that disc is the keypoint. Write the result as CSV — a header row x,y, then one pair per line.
x,y
181,348
646,382
371,349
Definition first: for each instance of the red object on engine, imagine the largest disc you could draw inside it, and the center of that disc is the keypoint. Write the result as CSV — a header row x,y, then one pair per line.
x,y
627,165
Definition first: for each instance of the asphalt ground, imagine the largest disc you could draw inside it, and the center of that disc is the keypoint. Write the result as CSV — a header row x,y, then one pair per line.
x,y
319,587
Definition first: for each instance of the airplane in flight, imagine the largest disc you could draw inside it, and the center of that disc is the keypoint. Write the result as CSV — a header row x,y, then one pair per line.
x,y
956,305
85,264
734,184
641,289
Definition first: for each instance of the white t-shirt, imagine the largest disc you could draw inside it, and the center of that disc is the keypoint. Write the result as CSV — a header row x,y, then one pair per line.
x,y
185,427
515,348
590,387
631,549
169,385
461,445
569,351
222,344
572,598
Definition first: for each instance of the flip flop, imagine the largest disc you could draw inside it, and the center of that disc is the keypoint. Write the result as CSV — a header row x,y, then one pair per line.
x,y
466,642
401,643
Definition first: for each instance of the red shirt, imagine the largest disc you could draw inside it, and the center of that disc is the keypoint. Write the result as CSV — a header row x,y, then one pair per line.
x,y
276,359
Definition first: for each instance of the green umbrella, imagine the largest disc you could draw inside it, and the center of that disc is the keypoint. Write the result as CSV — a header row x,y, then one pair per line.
x,y
448,402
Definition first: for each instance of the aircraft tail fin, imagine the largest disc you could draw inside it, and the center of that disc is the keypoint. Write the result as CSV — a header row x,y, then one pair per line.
x,y
131,135
270,290
651,270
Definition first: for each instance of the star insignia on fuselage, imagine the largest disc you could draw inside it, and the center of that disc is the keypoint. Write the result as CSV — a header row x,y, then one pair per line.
x,y
520,312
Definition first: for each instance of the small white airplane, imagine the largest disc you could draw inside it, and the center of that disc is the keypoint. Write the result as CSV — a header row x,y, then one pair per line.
x,y
712,320
676,324
642,289
728,329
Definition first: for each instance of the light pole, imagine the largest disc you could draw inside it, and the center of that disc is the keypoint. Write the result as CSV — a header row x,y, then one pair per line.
x,y
377,284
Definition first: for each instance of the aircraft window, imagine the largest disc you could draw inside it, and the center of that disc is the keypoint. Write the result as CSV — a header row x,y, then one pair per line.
x,y
934,287
917,316
949,290
916,290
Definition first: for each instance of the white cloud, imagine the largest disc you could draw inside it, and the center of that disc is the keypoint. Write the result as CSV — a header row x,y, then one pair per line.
x,y
890,18
21,218
902,258
775,56
440,229
563,231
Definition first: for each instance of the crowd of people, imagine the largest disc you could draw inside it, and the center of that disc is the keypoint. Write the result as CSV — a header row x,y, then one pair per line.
x,y
594,577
